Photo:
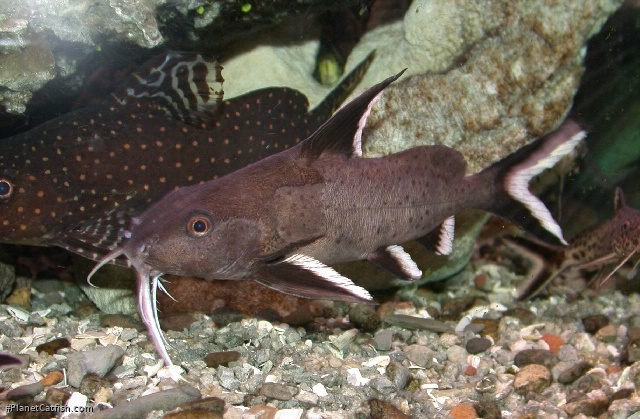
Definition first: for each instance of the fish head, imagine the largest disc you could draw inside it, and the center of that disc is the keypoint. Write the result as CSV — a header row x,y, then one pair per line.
x,y
191,235
626,224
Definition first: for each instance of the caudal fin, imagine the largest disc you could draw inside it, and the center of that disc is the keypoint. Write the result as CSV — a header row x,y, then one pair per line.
x,y
513,173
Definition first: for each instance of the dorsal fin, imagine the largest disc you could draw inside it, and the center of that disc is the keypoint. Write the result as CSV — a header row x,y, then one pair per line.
x,y
342,133
183,84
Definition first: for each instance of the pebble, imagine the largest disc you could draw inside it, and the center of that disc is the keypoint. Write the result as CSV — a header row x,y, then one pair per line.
x,y
21,297
573,373
27,390
532,378
52,378
364,317
98,361
383,340
140,407
215,359
463,411
594,323
593,406
53,346
276,391
381,409
344,339
420,355
533,356
487,409
398,374
227,378
554,342
607,334
477,345
260,412
633,333
56,396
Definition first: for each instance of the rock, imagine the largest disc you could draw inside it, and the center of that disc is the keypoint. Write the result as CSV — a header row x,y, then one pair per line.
x,y
276,391
532,378
364,317
592,406
27,390
420,355
463,411
398,374
162,400
98,361
53,346
533,356
52,378
56,396
120,320
594,322
554,342
477,345
383,339
570,375
215,359
260,412
381,409
607,333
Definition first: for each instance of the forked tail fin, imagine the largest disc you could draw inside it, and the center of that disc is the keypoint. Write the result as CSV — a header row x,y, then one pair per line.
x,y
513,200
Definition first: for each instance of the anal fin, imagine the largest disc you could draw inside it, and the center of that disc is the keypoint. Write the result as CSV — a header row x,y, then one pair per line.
x,y
306,277
398,262
440,240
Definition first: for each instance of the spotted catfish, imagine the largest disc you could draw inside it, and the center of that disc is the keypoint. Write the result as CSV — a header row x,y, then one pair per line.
x,y
75,181
283,220
615,241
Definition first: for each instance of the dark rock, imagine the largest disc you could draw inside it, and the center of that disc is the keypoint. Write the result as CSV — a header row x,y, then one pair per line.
x,y
91,383
364,317
488,410
177,321
572,374
452,309
28,390
525,316
477,345
381,409
533,356
491,327
588,406
53,346
212,404
398,374
532,378
383,339
56,396
595,322
633,333
215,359
140,407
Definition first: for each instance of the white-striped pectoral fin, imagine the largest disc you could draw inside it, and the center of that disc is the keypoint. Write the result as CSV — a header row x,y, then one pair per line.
x,y
306,277
445,236
396,261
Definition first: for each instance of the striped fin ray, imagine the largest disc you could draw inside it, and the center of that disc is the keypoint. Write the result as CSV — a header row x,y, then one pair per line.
x,y
185,85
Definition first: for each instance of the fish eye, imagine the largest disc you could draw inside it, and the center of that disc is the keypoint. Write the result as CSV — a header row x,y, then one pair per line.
x,y
6,188
199,226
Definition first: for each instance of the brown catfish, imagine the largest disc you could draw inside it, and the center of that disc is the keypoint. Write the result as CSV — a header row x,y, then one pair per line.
x,y
613,241
74,181
283,220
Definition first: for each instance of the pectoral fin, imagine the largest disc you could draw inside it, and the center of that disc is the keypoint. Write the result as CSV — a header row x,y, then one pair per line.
x,y
306,277
398,262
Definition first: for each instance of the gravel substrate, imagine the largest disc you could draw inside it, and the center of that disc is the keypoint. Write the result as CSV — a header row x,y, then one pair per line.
x,y
468,351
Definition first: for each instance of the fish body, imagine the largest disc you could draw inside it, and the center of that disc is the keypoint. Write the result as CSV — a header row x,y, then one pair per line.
x,y
76,180
283,220
613,241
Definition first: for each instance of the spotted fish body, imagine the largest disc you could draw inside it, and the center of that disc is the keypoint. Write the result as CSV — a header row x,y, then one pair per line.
x,y
76,180
283,220
614,241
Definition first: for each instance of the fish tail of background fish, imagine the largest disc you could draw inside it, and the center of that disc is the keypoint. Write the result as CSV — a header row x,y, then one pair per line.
x,y
341,92
510,197
184,85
